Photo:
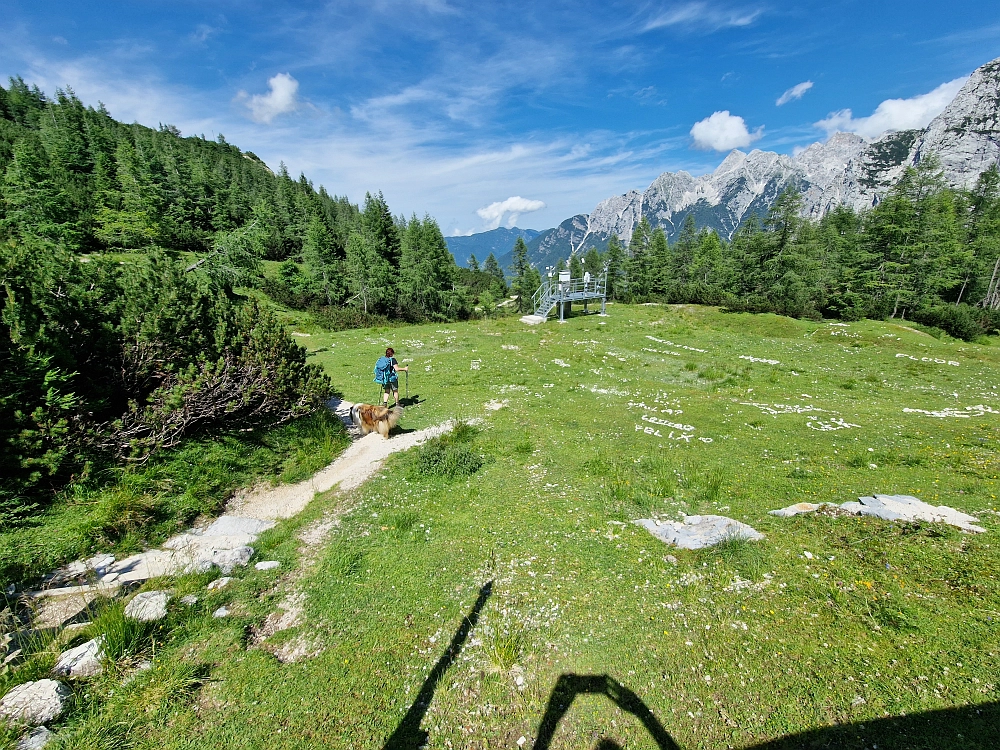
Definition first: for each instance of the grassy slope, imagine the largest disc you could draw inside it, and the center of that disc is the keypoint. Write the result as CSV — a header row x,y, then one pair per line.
x,y
885,619
129,509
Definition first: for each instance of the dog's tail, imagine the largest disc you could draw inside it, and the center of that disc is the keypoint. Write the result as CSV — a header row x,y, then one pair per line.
x,y
394,415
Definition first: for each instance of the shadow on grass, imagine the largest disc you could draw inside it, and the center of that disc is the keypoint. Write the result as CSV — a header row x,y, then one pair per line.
x,y
409,735
974,727
568,686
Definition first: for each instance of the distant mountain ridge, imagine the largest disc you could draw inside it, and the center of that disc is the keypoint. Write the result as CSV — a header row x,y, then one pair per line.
x,y
499,241
845,170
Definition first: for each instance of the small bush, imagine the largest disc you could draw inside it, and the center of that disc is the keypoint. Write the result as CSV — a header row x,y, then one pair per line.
x,y
451,455
448,460
711,485
403,521
743,555
503,649
122,635
344,318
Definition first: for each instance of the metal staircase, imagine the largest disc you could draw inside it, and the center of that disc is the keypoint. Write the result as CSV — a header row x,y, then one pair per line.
x,y
563,292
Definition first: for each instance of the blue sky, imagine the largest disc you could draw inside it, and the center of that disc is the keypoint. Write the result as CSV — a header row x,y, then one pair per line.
x,y
487,113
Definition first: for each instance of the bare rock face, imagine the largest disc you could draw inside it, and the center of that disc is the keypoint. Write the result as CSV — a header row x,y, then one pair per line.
x,y
966,136
149,606
36,702
82,661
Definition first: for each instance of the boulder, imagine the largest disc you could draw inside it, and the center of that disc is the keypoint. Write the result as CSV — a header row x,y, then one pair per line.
x,y
267,565
697,532
82,661
36,702
148,606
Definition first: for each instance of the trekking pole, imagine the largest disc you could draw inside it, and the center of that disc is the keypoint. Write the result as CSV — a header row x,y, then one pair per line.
x,y
407,384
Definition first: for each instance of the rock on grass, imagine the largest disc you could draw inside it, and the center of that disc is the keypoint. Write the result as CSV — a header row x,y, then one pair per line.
x,y
697,532
36,702
148,606
82,661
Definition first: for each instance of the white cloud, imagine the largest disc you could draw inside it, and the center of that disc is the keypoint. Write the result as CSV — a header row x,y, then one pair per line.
x,y
795,92
895,114
280,99
723,132
701,15
513,206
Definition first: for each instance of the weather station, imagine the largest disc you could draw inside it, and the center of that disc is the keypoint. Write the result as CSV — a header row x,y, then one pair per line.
x,y
562,291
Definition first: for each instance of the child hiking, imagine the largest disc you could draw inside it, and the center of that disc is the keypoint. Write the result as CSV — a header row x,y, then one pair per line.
x,y
386,375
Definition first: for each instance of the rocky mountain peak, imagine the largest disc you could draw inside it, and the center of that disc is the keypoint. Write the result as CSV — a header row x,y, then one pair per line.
x,y
966,136
846,169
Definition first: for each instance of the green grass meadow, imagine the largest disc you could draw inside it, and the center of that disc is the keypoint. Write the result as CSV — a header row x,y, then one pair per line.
x,y
884,635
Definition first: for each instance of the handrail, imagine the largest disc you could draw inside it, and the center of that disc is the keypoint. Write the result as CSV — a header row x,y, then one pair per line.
x,y
553,291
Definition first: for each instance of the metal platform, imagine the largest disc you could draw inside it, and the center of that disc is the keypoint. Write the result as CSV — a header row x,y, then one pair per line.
x,y
562,293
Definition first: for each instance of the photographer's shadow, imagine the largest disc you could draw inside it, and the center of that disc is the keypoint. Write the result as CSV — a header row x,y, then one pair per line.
x,y
569,686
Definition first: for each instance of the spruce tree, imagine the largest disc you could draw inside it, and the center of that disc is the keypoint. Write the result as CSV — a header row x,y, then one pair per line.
x,y
523,286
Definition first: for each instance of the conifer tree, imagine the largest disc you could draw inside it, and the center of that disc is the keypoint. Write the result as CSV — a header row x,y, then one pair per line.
x,y
523,286
617,282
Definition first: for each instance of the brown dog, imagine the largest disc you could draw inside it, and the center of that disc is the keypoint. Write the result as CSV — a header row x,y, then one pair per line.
x,y
369,418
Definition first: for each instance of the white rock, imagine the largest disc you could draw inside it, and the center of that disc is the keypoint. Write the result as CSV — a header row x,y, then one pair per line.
x,y
219,583
697,532
36,739
794,510
221,612
82,661
189,600
267,565
233,525
36,702
225,560
909,508
893,508
145,565
148,606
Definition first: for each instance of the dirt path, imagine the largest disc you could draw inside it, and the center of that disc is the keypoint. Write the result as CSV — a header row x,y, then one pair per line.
x,y
360,461
224,543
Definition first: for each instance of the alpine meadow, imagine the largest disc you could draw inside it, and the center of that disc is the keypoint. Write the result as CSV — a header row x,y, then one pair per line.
x,y
712,466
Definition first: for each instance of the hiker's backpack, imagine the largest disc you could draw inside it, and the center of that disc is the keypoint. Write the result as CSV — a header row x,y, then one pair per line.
x,y
383,371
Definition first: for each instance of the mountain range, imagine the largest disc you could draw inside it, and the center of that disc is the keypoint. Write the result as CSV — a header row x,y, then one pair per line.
x,y
499,241
847,169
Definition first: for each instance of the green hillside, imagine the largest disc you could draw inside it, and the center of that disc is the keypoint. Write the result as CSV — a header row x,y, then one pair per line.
x,y
815,634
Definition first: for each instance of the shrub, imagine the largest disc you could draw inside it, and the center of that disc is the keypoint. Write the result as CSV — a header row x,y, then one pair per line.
x,y
961,321
451,455
343,318
122,635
